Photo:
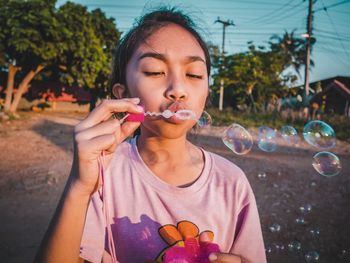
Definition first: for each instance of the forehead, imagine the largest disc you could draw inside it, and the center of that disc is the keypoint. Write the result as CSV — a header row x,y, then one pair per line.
x,y
172,40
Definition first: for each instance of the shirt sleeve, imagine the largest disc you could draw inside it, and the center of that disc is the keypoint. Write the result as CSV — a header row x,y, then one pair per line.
x,y
92,243
248,239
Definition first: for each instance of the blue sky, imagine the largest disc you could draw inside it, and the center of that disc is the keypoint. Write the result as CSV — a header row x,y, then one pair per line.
x,y
257,21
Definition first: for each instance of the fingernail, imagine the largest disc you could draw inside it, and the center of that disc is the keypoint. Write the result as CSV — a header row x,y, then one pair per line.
x,y
135,100
139,108
213,256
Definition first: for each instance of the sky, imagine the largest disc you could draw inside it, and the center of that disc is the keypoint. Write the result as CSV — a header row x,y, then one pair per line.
x,y
257,21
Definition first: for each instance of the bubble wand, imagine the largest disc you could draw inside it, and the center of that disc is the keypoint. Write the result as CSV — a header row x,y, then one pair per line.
x,y
180,114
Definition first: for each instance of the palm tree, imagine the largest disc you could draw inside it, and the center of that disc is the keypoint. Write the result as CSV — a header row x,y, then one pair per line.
x,y
292,50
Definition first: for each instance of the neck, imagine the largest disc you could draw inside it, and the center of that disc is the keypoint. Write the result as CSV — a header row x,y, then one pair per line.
x,y
156,150
175,161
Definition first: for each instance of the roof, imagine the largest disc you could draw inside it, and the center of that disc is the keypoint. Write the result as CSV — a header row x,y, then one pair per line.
x,y
341,88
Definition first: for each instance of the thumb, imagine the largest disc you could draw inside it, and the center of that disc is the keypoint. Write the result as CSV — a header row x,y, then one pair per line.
x,y
224,258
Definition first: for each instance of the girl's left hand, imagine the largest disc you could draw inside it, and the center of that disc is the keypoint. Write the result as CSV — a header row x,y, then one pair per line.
x,y
224,258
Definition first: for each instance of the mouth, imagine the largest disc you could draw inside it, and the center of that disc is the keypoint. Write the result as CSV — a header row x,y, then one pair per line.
x,y
180,113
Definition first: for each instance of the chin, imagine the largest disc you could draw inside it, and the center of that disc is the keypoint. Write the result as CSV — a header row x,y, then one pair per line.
x,y
168,131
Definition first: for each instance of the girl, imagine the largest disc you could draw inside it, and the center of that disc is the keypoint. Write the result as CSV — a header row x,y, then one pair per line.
x,y
131,201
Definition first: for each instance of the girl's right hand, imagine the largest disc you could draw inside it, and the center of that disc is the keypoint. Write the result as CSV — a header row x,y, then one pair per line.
x,y
99,133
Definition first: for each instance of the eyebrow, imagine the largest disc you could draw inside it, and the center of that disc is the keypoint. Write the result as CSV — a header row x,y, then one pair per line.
x,y
189,59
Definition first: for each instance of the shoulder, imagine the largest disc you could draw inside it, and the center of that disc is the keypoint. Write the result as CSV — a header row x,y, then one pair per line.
x,y
225,167
230,177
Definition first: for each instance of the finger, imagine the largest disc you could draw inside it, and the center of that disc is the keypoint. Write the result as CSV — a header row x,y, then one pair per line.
x,y
224,258
88,149
127,128
106,109
124,132
107,127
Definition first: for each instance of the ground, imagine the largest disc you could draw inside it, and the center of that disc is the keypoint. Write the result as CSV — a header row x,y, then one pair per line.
x,y
36,155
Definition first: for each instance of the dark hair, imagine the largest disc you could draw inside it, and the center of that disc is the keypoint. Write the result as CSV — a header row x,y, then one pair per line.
x,y
148,24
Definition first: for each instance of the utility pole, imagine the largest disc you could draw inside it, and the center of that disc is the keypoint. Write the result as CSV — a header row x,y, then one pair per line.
x,y
224,25
308,54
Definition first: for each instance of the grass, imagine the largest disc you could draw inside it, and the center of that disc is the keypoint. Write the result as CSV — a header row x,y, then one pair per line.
x,y
340,124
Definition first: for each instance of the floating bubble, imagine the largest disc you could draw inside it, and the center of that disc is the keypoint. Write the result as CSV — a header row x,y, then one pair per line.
x,y
300,221
319,134
205,120
315,232
294,246
326,164
269,249
290,135
275,228
279,247
305,209
312,256
344,254
267,139
238,139
262,176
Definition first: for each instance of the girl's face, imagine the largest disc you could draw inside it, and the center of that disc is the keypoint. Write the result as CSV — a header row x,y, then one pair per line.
x,y
168,71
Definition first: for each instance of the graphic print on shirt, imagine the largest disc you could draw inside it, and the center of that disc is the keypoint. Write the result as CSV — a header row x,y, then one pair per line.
x,y
186,243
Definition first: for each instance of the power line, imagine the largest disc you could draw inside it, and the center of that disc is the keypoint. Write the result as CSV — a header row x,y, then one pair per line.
x,y
325,8
330,19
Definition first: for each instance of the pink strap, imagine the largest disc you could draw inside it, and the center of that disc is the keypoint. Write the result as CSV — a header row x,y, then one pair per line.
x,y
110,239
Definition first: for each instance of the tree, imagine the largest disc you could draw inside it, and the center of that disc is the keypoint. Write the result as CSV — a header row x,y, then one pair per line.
x,y
29,31
109,36
89,41
292,50
251,77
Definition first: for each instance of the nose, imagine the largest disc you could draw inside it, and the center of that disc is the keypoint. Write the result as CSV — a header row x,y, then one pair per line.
x,y
176,90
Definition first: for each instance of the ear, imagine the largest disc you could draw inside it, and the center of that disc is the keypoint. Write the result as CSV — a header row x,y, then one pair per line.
x,y
119,91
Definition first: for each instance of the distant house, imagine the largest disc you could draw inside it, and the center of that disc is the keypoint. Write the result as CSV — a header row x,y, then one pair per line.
x,y
332,95
56,92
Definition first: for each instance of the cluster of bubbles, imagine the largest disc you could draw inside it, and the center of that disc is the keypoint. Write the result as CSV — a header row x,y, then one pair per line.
x,y
295,246
316,133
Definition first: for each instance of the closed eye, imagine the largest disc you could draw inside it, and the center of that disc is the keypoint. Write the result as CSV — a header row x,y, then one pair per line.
x,y
154,73
194,76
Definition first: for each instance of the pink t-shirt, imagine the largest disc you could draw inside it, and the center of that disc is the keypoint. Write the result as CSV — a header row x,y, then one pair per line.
x,y
141,207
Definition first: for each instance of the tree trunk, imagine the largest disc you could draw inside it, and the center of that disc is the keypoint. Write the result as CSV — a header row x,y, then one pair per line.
x,y
250,91
10,83
23,86
253,103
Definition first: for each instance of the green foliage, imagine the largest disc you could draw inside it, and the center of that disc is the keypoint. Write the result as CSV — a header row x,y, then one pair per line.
x,y
73,44
260,75
29,32
81,50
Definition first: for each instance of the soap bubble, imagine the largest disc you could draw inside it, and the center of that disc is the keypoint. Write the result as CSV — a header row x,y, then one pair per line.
x,y
238,139
290,135
294,246
315,232
262,176
319,134
275,228
267,139
205,120
269,249
312,256
326,164
300,221
305,209
278,247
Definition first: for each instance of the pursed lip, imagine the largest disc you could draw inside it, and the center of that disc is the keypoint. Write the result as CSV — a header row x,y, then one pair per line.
x,y
174,107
